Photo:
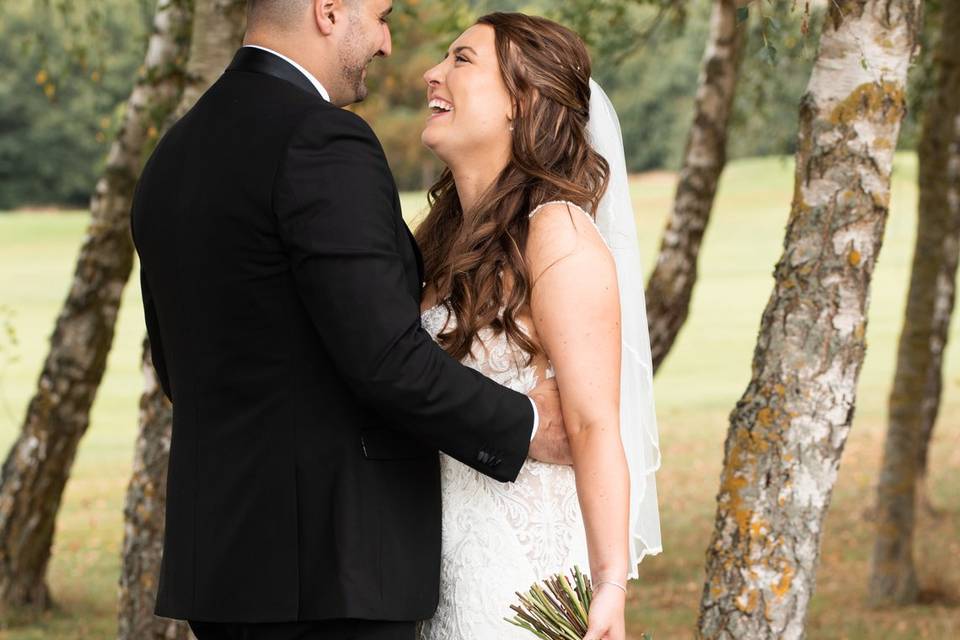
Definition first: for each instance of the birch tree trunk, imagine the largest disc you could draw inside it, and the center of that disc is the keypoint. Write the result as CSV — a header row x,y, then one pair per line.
x,y
38,464
947,195
217,34
915,398
218,31
143,519
670,287
788,430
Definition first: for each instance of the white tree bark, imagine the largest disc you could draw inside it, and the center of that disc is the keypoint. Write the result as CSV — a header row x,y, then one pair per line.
x,y
38,465
788,430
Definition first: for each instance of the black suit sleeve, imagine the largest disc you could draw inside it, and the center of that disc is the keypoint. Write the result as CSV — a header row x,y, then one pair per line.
x,y
334,200
149,310
153,333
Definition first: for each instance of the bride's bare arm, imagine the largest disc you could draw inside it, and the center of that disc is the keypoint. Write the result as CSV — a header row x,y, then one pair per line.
x,y
576,314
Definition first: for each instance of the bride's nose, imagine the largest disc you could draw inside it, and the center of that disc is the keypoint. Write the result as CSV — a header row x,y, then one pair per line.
x,y
432,76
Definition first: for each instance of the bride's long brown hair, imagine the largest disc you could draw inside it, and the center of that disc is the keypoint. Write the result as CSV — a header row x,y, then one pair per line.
x,y
546,69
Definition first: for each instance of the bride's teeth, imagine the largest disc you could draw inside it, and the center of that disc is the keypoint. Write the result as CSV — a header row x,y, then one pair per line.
x,y
440,105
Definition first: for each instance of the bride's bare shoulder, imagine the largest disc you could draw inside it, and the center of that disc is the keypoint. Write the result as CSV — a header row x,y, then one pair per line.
x,y
561,230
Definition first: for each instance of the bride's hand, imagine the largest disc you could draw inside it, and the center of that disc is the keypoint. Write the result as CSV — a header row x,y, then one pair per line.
x,y
607,614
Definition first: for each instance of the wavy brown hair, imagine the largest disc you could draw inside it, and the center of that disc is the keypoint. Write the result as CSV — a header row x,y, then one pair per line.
x,y
546,69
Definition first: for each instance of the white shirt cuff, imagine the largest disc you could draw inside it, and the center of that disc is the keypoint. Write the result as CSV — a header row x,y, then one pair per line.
x,y
536,420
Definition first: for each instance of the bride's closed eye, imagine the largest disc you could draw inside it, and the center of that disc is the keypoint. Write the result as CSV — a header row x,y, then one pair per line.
x,y
457,58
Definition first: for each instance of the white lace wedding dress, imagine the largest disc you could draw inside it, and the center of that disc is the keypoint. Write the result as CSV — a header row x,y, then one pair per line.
x,y
500,538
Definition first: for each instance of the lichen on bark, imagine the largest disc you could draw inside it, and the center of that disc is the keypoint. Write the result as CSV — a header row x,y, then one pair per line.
x,y
39,462
787,432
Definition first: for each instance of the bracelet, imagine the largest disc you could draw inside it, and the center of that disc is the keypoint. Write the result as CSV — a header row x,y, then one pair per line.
x,y
616,584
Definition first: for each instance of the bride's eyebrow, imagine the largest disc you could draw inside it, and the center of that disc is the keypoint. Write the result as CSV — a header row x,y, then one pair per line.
x,y
465,48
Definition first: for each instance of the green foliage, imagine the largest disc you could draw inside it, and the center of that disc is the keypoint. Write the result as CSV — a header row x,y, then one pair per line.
x,y
921,80
614,29
653,87
778,59
72,64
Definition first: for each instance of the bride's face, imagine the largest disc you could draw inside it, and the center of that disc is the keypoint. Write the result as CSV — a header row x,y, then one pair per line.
x,y
470,107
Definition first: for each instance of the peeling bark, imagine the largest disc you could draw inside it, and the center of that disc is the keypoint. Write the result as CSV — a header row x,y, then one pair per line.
x,y
915,399
38,464
218,31
788,430
670,287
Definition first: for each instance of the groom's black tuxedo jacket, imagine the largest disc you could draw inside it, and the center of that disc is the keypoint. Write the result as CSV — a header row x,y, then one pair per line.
x,y
281,289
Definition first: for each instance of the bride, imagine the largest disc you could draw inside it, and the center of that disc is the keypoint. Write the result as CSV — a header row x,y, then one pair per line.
x,y
533,271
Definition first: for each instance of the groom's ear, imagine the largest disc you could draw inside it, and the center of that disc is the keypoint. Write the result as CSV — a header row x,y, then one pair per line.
x,y
326,14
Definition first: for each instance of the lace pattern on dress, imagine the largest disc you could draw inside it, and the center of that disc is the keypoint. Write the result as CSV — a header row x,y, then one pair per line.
x,y
499,538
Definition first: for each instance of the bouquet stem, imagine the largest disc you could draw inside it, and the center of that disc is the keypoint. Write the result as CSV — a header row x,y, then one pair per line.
x,y
557,610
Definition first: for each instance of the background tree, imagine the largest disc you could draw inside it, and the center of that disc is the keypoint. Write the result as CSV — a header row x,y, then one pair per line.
x,y
778,60
670,286
143,516
925,84
915,398
218,27
788,430
67,70
646,53
38,465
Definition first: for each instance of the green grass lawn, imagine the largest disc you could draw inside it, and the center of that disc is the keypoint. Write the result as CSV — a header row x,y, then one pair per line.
x,y
696,388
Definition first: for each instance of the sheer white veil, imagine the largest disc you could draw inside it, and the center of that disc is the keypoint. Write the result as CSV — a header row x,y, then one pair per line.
x,y
638,420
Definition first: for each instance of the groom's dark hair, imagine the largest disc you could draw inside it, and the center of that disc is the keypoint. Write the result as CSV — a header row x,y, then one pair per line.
x,y
279,13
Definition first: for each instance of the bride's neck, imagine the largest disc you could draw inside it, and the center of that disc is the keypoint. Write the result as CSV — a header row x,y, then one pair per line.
x,y
472,181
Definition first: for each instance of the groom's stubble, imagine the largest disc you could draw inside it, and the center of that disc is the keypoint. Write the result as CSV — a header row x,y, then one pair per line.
x,y
358,28
354,55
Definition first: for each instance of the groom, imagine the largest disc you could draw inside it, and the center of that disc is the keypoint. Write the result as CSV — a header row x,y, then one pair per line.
x,y
281,289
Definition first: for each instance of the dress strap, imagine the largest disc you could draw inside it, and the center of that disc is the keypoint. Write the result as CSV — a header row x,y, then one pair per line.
x,y
566,202
578,208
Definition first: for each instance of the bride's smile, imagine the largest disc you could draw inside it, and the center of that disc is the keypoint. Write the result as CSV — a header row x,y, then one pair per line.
x,y
470,106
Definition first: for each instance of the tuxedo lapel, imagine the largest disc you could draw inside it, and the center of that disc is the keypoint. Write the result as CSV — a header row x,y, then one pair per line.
x,y
260,61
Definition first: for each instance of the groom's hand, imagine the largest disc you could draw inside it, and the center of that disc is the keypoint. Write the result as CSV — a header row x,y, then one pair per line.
x,y
550,443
